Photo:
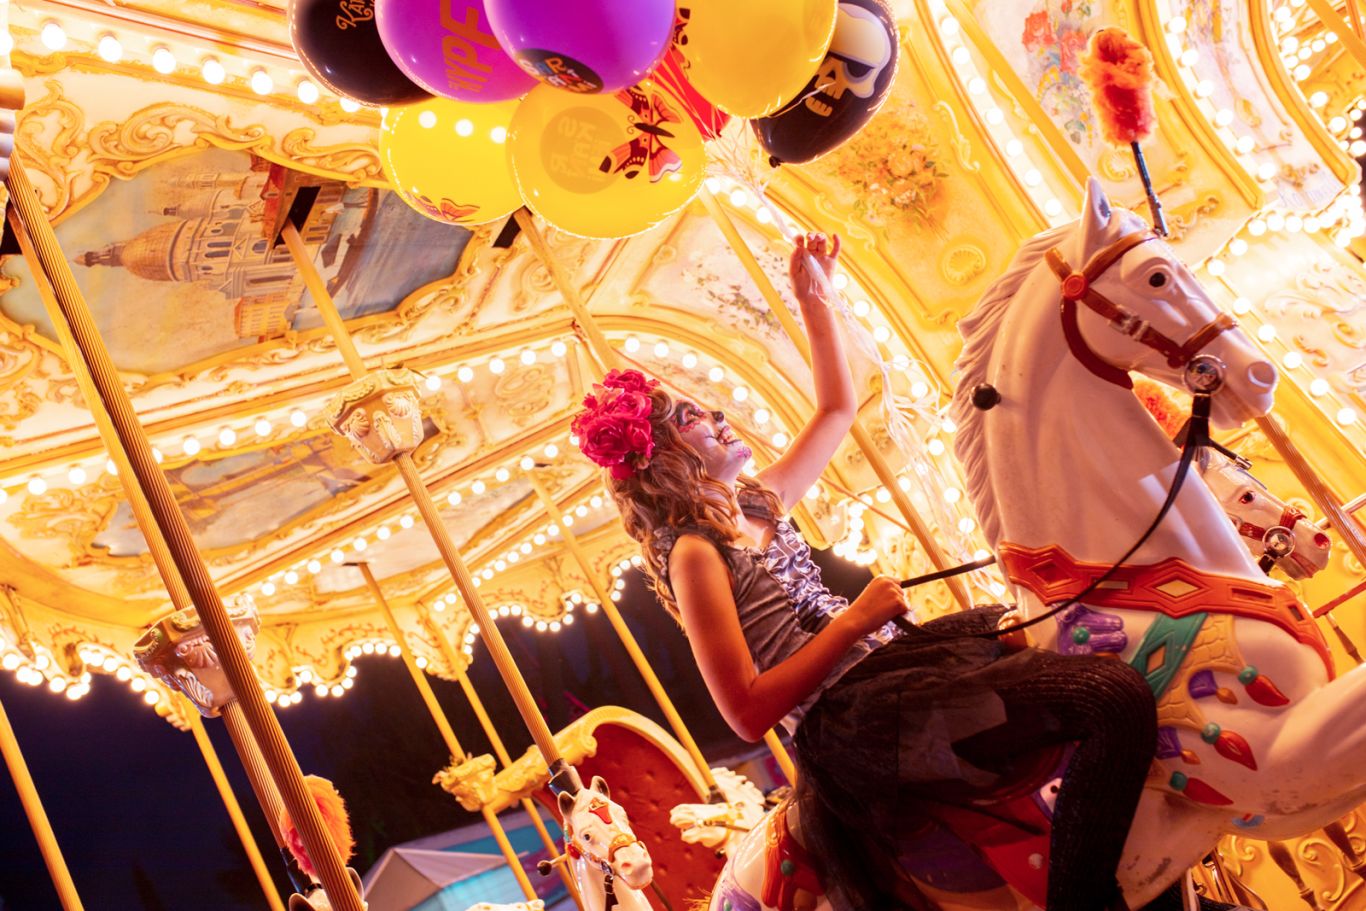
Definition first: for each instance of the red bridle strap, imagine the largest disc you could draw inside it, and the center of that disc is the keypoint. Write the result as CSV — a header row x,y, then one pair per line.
x,y
1079,287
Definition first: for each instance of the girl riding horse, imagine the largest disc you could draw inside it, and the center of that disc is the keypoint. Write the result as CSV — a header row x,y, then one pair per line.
x,y
885,722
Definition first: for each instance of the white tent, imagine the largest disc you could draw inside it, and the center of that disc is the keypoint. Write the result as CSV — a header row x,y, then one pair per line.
x,y
406,876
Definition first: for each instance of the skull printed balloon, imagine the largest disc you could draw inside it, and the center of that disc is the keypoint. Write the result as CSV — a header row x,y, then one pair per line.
x,y
852,82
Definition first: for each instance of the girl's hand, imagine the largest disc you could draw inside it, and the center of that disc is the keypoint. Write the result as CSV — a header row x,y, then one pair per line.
x,y
812,252
880,603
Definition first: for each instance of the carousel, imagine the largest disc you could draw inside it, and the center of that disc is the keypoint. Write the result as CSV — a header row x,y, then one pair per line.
x,y
299,303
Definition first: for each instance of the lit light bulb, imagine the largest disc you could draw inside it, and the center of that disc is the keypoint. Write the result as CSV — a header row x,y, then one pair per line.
x,y
527,357
163,61
53,36
76,475
558,348
261,83
227,436
109,49
432,382
37,485
212,70
262,427
632,344
496,365
308,92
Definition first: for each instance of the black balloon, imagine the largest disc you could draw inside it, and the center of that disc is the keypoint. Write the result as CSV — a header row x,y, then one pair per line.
x,y
853,80
338,42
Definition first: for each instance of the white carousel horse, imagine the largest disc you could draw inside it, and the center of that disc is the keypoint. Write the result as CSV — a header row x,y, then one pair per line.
x,y
611,865
1066,472
721,825
1268,527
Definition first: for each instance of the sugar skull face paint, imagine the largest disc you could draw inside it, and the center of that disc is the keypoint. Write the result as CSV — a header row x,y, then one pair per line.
x,y
723,454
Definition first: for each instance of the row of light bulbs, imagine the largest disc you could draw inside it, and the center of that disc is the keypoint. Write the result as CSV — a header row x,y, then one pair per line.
x,y
1016,156
109,47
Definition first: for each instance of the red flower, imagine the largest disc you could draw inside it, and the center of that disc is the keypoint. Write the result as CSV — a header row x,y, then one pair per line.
x,y
614,428
1038,31
631,380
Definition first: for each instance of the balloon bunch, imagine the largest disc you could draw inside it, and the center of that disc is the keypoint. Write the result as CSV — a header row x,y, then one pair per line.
x,y
594,113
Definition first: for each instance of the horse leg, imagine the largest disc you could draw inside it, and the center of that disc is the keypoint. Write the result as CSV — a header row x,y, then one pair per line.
x,y
1168,836
1315,762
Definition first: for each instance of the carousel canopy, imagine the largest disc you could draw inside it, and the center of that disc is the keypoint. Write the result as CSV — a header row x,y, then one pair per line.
x,y
170,143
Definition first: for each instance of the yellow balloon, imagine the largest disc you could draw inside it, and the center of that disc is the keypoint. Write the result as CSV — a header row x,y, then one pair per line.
x,y
605,165
750,58
449,159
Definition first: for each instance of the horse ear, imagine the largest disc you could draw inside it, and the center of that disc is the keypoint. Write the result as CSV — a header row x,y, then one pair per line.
x,y
566,805
1095,215
597,784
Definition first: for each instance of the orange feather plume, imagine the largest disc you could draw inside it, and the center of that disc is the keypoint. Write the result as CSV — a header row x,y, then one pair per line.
x,y
1161,404
333,810
1120,73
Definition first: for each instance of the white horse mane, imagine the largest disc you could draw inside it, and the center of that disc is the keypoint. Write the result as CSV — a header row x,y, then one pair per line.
x,y
979,331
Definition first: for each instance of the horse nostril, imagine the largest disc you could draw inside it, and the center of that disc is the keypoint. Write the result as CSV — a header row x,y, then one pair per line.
x,y
1261,373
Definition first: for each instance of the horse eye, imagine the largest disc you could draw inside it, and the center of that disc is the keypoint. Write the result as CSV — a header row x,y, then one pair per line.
x,y
1157,279
1247,497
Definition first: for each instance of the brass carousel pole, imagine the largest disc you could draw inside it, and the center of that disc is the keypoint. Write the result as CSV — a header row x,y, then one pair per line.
x,y
628,639
239,822
563,775
860,434
607,358
133,440
37,817
247,750
500,751
443,725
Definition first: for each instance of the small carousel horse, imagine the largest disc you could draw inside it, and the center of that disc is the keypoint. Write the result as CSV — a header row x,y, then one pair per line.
x,y
611,865
1066,471
1277,534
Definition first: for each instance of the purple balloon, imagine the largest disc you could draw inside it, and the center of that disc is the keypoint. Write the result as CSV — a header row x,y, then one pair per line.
x,y
447,47
587,46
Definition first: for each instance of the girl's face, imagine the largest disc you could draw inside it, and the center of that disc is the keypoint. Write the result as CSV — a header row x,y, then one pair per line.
x,y
723,454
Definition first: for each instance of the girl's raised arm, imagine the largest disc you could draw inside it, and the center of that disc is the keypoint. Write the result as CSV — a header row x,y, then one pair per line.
x,y
792,475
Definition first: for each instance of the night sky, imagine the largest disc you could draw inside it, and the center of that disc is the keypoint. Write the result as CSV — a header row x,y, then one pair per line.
x,y
142,827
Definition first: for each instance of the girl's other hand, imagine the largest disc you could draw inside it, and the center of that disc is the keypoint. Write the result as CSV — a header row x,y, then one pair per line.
x,y
813,251
880,603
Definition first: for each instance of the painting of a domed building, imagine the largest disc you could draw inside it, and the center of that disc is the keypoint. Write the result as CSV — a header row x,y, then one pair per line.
x,y
178,267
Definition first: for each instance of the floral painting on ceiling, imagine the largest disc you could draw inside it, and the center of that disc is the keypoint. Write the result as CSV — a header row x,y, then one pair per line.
x,y
1055,35
178,267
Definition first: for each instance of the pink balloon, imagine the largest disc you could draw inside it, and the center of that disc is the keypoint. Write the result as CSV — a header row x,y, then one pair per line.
x,y
448,48
588,46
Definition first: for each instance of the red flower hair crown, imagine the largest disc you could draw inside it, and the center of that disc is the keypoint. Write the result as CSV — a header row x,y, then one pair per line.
x,y
614,427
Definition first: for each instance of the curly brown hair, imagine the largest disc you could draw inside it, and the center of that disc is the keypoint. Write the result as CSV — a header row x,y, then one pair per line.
x,y
675,491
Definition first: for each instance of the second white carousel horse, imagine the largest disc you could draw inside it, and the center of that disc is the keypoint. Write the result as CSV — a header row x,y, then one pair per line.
x,y
611,865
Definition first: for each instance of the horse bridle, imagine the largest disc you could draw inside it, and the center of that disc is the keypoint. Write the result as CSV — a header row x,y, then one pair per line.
x,y
1079,287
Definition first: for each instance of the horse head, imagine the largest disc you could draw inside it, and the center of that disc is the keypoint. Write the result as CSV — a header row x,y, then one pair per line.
x,y
597,831
1270,529
1130,304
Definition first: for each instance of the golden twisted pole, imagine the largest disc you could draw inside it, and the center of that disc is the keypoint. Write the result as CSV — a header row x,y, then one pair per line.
x,y
239,822
248,752
422,498
190,565
443,725
500,751
861,436
628,639
37,817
